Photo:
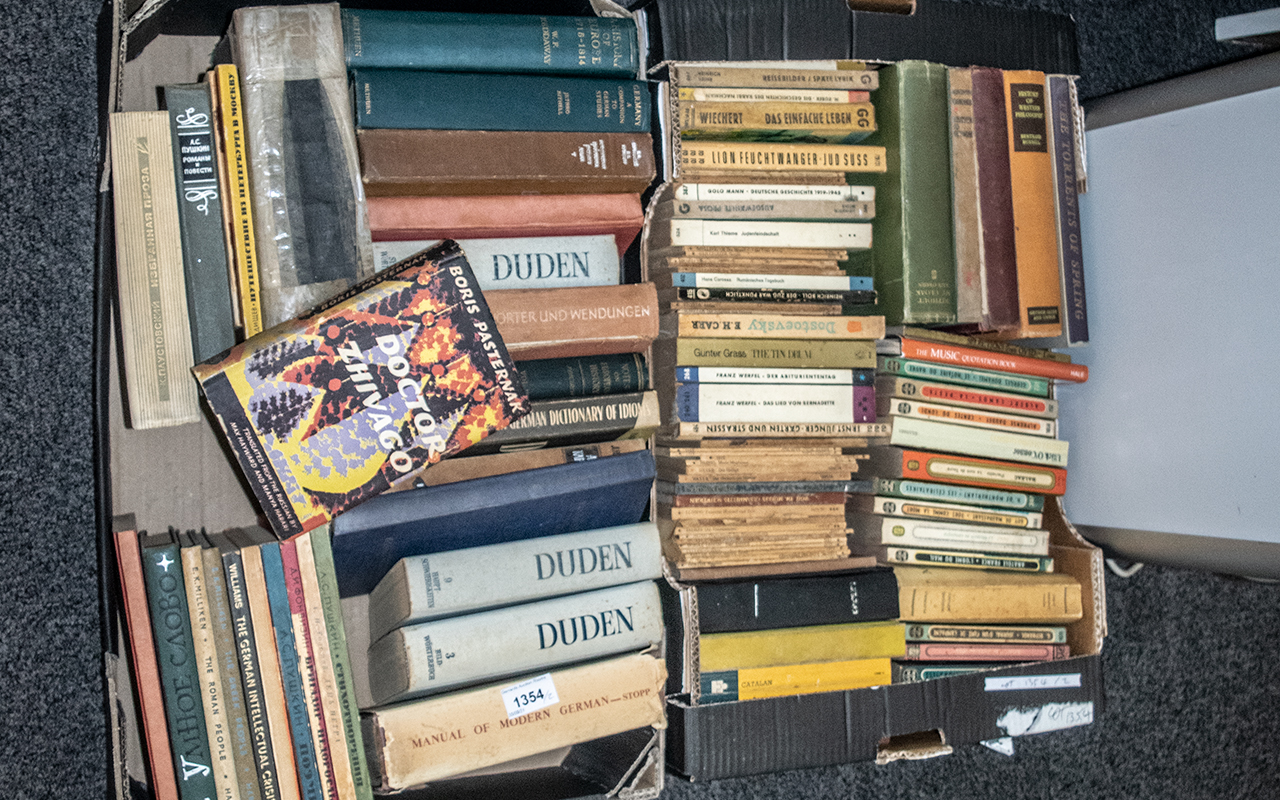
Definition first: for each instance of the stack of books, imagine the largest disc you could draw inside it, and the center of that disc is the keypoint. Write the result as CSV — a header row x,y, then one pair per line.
x,y
526,139
785,635
243,670
765,377
978,225
957,499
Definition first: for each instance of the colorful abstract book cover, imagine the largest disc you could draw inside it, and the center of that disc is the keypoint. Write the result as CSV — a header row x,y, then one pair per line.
x,y
325,411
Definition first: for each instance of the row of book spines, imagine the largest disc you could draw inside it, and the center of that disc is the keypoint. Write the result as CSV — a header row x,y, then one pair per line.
x,y
281,753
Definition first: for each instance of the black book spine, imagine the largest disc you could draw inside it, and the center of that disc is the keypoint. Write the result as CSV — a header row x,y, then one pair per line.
x,y
864,596
584,376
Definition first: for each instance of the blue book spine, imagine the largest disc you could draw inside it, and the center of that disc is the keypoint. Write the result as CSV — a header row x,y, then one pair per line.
x,y
370,538
472,101
506,43
294,694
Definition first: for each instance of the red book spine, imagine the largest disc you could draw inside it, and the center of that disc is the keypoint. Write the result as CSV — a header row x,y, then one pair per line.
x,y
985,359
978,651
146,670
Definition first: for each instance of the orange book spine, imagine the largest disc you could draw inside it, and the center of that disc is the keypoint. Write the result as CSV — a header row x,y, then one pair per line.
x,y
1035,236
989,359
926,466
146,671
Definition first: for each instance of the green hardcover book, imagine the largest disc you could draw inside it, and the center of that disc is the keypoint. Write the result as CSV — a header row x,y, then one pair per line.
x,y
224,645
582,376
204,249
914,245
414,99
326,576
179,672
507,43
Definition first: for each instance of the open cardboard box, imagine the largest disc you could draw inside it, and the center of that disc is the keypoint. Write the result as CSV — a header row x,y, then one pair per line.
x,y
185,476
907,720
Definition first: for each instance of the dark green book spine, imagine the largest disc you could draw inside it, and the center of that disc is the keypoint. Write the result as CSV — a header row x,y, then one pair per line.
x,y
179,672
398,98
224,645
326,577
294,693
584,376
204,250
913,232
251,679
507,43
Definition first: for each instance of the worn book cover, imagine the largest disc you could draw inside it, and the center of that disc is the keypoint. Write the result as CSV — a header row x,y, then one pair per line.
x,y
325,411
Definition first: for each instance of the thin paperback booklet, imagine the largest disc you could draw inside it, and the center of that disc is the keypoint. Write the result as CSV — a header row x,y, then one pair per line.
x,y
327,410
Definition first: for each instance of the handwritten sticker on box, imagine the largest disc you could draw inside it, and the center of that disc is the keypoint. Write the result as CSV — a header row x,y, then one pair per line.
x,y
529,696
1042,719
1016,683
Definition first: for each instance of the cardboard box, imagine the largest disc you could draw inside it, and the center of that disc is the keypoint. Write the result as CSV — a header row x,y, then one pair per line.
x,y
908,720
185,477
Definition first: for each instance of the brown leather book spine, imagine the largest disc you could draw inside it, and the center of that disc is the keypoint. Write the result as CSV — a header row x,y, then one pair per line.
x,y
995,198
582,321
395,162
401,219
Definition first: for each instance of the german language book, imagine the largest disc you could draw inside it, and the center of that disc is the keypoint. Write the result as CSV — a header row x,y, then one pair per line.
x,y
325,411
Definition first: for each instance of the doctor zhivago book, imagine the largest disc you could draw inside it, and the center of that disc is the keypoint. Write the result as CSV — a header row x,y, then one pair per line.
x,y
329,409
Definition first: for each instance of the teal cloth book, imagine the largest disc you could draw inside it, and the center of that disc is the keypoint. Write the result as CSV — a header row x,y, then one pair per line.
x,y
472,101
294,693
179,672
463,42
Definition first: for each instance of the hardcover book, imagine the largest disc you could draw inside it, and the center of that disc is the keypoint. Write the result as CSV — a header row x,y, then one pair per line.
x,y
1034,223
585,376
965,208
507,43
155,329
395,98
915,250
204,249
179,673
326,411
436,737
369,539
809,644
867,595
927,594
420,588
238,196
526,262
999,268
560,422
143,659
506,216
433,656
406,162
582,321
